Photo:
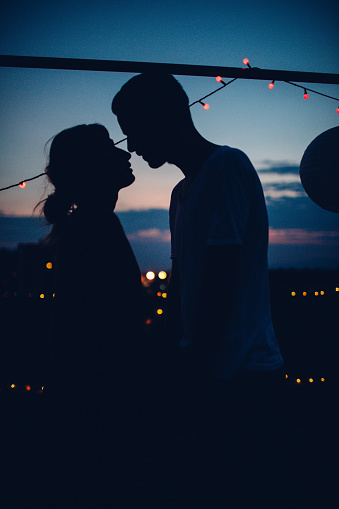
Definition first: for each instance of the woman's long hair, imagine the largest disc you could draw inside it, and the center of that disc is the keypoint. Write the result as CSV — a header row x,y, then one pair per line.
x,y
72,155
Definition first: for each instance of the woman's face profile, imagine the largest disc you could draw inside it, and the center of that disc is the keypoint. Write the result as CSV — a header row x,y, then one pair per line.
x,y
114,165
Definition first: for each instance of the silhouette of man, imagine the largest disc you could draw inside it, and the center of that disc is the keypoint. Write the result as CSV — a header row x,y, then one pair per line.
x,y
219,315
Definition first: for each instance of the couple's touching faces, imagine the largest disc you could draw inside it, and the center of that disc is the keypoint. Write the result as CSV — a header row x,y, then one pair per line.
x,y
153,112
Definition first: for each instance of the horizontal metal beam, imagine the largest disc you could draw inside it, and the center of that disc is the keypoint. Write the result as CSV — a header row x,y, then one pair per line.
x,y
80,64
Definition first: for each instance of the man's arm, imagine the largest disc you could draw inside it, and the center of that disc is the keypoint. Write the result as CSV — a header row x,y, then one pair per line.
x,y
215,303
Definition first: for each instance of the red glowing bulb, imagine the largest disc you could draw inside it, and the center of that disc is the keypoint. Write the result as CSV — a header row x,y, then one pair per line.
x,y
306,96
219,79
337,110
271,85
206,106
246,61
22,185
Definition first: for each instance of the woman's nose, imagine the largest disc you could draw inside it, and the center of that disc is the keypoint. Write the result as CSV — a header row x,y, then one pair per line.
x,y
124,154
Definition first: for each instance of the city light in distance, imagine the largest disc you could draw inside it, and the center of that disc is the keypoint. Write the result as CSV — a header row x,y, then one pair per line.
x,y
316,293
290,379
49,265
310,380
160,311
42,295
162,274
150,275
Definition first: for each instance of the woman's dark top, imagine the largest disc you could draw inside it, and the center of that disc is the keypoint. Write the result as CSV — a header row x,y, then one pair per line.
x,y
94,417
98,308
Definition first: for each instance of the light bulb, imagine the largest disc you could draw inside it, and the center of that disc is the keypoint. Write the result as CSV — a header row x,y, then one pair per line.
x,y
204,105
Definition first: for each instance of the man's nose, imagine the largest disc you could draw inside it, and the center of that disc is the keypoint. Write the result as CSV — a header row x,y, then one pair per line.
x,y
130,145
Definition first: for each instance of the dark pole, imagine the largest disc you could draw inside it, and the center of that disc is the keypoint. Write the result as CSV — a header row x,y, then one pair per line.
x,y
79,64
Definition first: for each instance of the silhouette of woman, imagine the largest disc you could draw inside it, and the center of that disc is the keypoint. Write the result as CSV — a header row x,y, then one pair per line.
x,y
97,333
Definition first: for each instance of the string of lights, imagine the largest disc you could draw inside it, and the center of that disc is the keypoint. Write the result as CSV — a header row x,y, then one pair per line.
x,y
22,183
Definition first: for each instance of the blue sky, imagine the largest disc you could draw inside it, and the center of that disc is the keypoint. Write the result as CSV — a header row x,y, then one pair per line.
x,y
273,127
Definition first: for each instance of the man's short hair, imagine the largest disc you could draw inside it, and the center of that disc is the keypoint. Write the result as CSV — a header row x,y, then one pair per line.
x,y
151,91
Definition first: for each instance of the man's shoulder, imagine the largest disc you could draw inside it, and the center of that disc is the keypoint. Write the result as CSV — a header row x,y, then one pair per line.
x,y
230,163
225,155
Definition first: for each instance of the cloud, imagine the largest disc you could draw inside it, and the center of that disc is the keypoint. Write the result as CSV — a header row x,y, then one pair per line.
x,y
281,182
154,234
279,178
302,237
273,193
278,167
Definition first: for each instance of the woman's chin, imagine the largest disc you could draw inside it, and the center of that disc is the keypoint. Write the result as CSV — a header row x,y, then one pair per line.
x,y
127,181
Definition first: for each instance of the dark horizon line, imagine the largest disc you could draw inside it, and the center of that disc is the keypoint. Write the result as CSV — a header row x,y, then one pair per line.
x,y
37,215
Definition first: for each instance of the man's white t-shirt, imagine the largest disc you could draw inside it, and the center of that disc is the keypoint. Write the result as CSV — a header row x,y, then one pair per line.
x,y
225,205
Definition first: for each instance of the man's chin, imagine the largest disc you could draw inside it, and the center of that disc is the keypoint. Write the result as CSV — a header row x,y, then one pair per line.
x,y
153,163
